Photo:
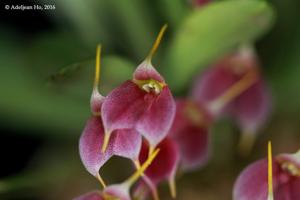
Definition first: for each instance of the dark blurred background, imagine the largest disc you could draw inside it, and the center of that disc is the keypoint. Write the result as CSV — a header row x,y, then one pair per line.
x,y
46,73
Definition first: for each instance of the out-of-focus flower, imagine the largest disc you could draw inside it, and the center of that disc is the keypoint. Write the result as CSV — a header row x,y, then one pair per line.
x,y
228,88
120,191
144,103
267,180
190,131
124,142
164,167
187,145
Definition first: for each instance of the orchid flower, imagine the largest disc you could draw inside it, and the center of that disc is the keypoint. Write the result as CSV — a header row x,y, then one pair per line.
x,y
270,179
124,142
120,191
190,131
144,103
187,146
234,86
164,166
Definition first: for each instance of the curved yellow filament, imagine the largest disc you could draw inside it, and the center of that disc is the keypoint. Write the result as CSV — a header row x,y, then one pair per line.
x,y
157,42
98,66
270,172
131,180
235,90
105,141
172,186
100,179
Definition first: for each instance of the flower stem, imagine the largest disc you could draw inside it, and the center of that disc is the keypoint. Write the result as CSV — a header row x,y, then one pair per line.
x,y
97,67
270,172
234,91
157,42
131,180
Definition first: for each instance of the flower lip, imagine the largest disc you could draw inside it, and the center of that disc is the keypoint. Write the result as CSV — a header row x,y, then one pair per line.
x,y
150,85
289,166
197,114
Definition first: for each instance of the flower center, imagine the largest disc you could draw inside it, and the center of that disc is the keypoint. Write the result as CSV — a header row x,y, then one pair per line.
x,y
110,197
150,85
194,114
291,168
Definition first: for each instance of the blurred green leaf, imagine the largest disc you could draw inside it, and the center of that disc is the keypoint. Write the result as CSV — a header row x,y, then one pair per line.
x,y
174,10
26,100
209,32
132,21
84,17
77,78
280,54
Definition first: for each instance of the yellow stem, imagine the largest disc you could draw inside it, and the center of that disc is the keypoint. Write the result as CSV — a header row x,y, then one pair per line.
x,y
148,182
97,67
100,179
131,180
157,42
105,141
270,172
172,186
246,143
151,149
234,91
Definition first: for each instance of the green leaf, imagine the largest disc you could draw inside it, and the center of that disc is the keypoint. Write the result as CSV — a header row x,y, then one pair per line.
x,y
134,26
27,101
207,33
174,10
77,78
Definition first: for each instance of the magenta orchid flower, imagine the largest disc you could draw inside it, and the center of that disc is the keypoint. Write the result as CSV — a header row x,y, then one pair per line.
x,y
144,103
190,131
268,179
120,191
158,172
124,142
228,89
187,145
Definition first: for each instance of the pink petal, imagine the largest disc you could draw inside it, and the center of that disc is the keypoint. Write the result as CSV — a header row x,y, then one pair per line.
x,y
123,107
286,184
127,143
157,119
294,188
252,184
119,192
145,71
212,84
129,107
190,132
283,193
189,113
194,146
95,195
165,164
90,144
252,108
96,102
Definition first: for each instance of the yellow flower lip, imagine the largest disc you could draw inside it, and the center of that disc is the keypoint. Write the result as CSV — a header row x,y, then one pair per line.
x,y
110,197
291,168
150,85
